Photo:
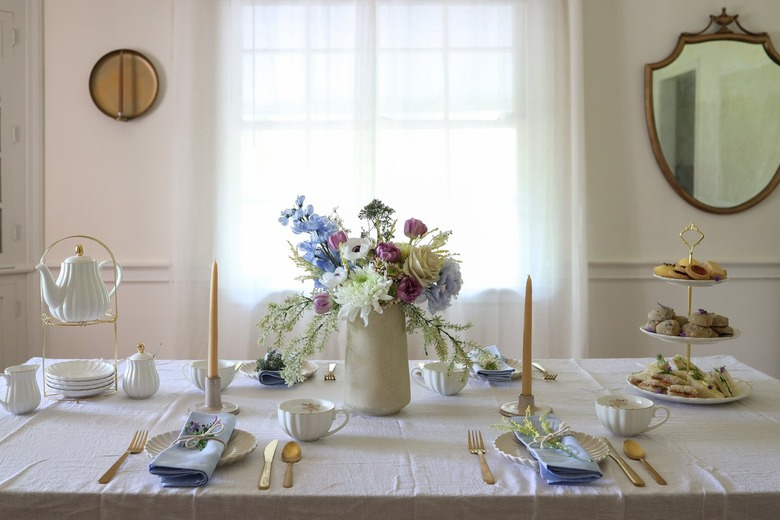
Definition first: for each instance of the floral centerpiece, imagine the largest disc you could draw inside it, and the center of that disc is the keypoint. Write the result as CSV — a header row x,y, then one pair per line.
x,y
355,276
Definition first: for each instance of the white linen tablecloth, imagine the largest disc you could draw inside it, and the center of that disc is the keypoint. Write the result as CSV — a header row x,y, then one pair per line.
x,y
720,461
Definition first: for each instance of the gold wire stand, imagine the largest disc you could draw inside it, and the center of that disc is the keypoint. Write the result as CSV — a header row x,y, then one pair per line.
x,y
691,228
110,317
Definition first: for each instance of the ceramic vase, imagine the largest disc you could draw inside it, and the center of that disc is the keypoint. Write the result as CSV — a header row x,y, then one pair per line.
x,y
376,380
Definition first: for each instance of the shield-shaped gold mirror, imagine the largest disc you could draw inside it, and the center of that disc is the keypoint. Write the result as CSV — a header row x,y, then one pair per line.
x,y
713,115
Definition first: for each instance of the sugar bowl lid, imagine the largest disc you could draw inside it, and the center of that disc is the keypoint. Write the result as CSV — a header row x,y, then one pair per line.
x,y
140,355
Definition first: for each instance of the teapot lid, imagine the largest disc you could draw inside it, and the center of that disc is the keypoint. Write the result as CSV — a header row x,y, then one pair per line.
x,y
140,355
79,258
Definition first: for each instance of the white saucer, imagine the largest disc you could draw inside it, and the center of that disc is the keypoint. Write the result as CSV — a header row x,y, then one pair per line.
x,y
240,445
79,385
79,370
69,392
511,448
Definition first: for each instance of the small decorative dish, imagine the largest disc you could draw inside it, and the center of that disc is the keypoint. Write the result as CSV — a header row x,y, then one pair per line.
x,y
240,445
249,369
511,448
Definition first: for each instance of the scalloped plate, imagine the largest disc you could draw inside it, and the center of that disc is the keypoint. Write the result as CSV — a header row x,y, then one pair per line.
x,y
745,389
508,445
79,385
690,283
249,369
240,445
510,362
692,341
79,370
89,392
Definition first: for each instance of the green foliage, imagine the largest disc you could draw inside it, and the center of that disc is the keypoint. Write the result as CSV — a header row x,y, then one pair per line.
x,y
273,360
527,429
279,322
380,218
438,333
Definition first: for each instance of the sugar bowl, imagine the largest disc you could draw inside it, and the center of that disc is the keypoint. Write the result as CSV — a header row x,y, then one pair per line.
x,y
141,380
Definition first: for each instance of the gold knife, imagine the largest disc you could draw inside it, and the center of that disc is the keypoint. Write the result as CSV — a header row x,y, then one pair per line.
x,y
268,453
630,473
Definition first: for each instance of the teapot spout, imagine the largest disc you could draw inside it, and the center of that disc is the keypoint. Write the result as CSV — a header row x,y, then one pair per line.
x,y
53,294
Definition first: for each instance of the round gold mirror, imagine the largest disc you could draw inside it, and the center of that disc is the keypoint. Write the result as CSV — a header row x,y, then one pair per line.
x,y
713,114
123,84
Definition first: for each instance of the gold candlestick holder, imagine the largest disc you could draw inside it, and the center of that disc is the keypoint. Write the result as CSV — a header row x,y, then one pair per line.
x,y
213,402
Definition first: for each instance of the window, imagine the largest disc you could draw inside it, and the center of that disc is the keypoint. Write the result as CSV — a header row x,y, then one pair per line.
x,y
416,103
464,114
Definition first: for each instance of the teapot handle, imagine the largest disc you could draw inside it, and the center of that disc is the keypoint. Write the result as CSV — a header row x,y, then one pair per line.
x,y
118,275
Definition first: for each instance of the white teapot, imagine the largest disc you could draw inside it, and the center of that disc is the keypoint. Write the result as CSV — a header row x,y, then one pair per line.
x,y
79,293
141,380
22,394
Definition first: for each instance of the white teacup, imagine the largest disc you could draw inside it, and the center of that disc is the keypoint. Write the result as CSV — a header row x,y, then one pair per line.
x,y
197,371
628,415
434,377
310,419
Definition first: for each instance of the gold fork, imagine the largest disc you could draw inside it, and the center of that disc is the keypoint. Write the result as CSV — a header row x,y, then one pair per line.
x,y
330,376
136,446
550,376
477,446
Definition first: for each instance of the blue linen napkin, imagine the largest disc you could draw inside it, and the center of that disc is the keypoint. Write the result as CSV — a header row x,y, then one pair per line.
x,y
184,467
270,378
556,466
502,375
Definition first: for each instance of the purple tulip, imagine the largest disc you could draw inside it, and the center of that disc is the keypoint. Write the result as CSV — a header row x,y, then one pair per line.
x,y
322,303
414,228
388,251
336,239
409,289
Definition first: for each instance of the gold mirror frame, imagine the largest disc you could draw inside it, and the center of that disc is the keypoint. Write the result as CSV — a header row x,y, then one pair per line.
x,y
722,33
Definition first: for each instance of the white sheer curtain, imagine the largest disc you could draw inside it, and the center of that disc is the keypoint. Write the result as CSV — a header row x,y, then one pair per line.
x,y
463,114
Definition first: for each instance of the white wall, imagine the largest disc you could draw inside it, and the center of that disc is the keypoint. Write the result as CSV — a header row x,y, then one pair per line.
x,y
111,180
107,179
634,215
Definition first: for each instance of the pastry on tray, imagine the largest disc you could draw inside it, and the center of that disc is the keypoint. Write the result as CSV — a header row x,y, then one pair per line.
x,y
691,270
700,324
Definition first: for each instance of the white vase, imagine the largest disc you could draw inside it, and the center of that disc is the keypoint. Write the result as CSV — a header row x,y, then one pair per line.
x,y
376,380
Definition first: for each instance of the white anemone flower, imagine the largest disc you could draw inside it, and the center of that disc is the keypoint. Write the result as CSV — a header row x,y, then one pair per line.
x,y
361,293
334,279
355,248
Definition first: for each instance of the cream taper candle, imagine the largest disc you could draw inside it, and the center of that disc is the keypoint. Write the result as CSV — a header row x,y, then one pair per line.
x,y
527,339
213,325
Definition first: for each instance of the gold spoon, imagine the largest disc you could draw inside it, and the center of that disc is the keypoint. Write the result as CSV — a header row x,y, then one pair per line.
x,y
635,451
291,453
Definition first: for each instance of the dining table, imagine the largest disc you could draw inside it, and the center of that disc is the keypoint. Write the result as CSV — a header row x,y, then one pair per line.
x,y
719,460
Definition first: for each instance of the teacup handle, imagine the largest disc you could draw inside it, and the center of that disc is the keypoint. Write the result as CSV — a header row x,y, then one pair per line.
x,y
186,371
417,377
657,409
340,426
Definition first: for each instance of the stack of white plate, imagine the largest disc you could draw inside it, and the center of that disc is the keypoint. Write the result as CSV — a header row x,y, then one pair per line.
x,y
80,377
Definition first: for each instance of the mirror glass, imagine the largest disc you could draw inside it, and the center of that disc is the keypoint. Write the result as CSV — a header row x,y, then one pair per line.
x,y
713,110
